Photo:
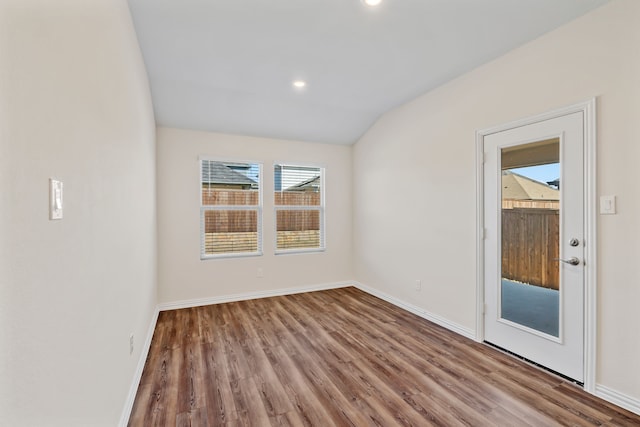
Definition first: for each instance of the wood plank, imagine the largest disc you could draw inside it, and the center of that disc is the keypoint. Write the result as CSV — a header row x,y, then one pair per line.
x,y
193,418
248,404
274,397
301,393
191,380
219,398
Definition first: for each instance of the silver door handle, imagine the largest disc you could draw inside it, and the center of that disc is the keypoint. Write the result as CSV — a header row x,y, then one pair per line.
x,y
570,261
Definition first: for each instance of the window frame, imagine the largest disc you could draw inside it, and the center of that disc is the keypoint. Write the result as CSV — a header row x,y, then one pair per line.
x,y
320,208
257,208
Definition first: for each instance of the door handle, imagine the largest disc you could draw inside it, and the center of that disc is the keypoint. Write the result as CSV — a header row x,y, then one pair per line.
x,y
570,261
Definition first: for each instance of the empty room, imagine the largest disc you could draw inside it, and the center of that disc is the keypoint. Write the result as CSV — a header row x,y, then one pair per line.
x,y
319,213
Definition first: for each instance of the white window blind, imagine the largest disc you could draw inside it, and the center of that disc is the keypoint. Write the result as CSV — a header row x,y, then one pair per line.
x,y
230,209
299,208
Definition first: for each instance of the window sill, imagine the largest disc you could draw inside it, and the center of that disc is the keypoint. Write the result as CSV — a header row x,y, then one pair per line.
x,y
230,255
299,251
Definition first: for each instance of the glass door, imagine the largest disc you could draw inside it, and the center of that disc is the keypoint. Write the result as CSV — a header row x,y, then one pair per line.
x,y
534,246
530,236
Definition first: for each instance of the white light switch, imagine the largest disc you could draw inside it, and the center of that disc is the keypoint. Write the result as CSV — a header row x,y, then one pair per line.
x,y
55,199
607,205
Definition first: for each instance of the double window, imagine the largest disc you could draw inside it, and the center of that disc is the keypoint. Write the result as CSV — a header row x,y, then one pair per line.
x,y
231,208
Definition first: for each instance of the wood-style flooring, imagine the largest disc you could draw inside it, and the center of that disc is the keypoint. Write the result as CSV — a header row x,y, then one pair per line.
x,y
343,358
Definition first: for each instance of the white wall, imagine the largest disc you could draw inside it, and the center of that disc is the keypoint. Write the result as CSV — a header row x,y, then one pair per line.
x,y
415,175
183,276
74,104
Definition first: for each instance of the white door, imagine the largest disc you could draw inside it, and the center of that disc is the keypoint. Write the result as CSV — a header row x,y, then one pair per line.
x,y
534,242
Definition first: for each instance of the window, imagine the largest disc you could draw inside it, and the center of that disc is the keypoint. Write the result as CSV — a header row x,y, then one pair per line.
x,y
299,208
231,209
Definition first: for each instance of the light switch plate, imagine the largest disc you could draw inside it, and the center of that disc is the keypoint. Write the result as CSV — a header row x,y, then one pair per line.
x,y
607,205
55,199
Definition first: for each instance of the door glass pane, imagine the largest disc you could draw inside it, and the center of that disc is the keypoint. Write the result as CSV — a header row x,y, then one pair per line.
x,y
530,216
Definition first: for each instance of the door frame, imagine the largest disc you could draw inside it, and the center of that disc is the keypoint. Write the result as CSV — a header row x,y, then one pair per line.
x,y
588,108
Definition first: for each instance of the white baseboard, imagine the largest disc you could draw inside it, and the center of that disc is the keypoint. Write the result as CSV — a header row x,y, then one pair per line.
x,y
438,320
622,400
133,390
250,295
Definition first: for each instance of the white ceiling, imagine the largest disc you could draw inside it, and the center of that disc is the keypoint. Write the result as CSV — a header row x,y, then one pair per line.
x,y
227,65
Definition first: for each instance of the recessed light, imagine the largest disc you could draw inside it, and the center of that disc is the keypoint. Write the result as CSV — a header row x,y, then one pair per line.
x,y
372,2
299,84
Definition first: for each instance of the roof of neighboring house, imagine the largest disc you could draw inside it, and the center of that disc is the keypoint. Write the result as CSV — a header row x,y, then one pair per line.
x,y
218,173
518,187
235,165
555,183
313,182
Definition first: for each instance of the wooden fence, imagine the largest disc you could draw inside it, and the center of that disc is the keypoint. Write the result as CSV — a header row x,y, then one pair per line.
x,y
530,204
530,242
247,221
215,196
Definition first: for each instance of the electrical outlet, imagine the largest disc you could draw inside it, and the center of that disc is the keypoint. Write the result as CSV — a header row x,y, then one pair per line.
x,y
260,272
418,285
131,343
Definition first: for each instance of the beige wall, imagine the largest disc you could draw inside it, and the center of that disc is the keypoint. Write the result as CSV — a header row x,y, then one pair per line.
x,y
74,104
183,276
415,175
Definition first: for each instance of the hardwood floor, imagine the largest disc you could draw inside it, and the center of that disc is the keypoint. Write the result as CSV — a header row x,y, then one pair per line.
x,y
343,358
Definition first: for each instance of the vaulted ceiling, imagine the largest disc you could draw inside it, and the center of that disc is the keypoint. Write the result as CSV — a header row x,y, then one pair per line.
x,y
228,65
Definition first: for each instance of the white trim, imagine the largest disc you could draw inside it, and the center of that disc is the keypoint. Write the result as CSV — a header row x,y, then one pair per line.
x,y
481,234
622,400
300,164
591,246
231,255
133,389
588,108
174,305
575,108
438,320
215,158
299,251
